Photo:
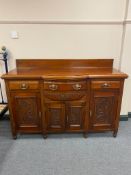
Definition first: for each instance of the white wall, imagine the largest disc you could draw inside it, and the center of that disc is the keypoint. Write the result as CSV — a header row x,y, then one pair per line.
x,y
62,9
62,41
129,11
64,29
126,64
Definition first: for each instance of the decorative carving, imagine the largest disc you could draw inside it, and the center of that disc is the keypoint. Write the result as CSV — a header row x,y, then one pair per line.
x,y
103,109
63,96
75,116
55,119
27,111
55,113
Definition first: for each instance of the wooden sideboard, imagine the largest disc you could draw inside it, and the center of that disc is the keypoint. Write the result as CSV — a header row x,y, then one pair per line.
x,y
64,95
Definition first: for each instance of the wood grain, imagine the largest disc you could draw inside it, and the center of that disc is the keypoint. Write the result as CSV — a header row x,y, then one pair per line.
x,y
54,96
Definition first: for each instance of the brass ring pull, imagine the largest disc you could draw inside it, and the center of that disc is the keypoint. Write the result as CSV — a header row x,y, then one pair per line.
x,y
77,86
53,87
24,86
105,85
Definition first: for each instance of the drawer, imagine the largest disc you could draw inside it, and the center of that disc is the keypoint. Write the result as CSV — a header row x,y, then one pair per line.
x,y
23,85
64,96
65,86
105,84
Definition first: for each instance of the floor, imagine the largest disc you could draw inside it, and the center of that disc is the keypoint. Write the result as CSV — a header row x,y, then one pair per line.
x,y
66,154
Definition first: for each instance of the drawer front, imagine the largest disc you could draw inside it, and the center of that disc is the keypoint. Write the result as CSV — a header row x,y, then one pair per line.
x,y
105,84
65,86
23,85
64,96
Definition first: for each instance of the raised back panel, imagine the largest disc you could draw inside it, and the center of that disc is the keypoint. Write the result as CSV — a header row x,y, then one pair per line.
x,y
63,63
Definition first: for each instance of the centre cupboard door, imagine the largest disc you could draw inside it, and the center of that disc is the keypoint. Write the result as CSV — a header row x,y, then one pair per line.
x,y
55,116
65,116
75,115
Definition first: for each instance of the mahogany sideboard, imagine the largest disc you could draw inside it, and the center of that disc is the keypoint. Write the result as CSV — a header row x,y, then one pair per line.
x,y
64,95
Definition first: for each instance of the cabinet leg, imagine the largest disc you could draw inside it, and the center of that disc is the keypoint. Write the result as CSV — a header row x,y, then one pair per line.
x,y
85,135
45,136
14,137
115,133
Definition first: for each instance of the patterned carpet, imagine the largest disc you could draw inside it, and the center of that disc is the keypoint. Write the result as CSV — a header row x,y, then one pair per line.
x,y
66,154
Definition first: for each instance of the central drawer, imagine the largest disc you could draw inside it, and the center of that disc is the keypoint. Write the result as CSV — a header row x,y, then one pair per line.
x,y
65,86
65,96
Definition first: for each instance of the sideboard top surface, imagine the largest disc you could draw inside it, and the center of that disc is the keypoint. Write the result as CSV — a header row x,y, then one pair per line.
x,y
63,69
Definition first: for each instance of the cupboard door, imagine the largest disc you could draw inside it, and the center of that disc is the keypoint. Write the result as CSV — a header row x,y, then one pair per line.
x,y
26,111
55,116
75,115
103,109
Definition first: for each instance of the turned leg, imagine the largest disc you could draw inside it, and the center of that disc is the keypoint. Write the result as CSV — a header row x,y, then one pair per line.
x,y
85,135
45,136
14,137
115,133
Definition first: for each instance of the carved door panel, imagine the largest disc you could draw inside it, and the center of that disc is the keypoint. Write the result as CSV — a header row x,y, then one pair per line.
x,y
26,111
55,116
103,110
75,115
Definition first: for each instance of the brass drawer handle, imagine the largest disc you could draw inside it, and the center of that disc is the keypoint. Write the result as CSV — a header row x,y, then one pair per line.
x,y
53,87
105,85
77,86
24,86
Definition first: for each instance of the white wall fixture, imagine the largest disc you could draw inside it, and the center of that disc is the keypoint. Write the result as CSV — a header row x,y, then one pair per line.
x,y
14,35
